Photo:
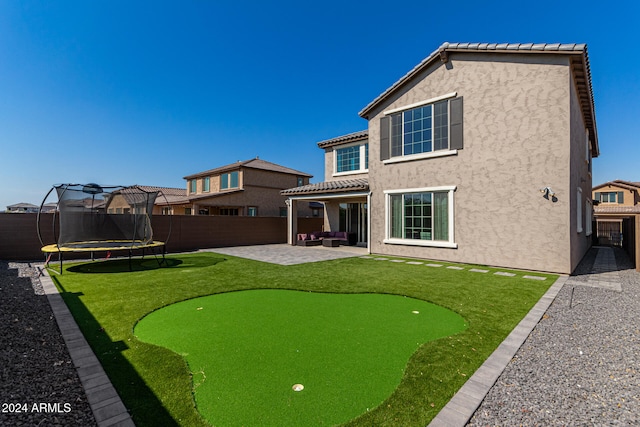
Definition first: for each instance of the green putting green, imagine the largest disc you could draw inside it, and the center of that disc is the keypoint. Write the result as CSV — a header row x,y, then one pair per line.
x,y
248,349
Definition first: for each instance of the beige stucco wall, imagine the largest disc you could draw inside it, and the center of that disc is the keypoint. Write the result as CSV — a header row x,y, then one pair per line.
x,y
580,240
517,114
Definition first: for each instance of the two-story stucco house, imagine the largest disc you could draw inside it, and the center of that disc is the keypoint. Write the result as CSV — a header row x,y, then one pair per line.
x,y
245,188
614,201
480,154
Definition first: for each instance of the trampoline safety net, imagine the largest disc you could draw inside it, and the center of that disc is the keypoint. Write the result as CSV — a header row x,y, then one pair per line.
x,y
95,216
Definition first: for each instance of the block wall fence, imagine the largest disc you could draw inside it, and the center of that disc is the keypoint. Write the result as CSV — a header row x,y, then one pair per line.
x,y
19,238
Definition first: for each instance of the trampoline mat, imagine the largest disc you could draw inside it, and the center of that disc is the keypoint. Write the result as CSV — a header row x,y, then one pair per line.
x,y
103,245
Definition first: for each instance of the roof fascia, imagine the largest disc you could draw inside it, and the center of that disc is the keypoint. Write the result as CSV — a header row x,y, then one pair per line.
x,y
216,171
342,140
218,195
329,195
616,184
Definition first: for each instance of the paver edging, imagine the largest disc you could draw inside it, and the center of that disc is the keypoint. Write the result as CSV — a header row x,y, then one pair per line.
x,y
469,396
84,358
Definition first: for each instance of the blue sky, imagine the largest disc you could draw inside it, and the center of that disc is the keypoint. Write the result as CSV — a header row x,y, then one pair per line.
x,y
146,92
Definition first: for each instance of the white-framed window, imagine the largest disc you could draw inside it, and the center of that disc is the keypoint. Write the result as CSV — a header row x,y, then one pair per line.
x,y
587,144
420,216
426,129
579,209
588,213
206,184
229,180
420,130
350,159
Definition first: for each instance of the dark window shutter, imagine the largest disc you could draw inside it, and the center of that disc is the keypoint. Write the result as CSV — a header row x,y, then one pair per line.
x,y
620,196
456,124
384,138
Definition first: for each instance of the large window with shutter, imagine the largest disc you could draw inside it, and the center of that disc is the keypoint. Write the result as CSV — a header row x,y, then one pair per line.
x,y
425,129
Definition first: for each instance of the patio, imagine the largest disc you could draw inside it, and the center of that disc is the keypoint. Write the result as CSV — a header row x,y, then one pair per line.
x,y
285,254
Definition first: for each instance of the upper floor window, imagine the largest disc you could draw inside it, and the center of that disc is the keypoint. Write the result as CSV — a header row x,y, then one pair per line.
x,y
426,129
366,156
420,130
229,180
610,197
587,154
352,159
192,186
206,184
348,159
300,181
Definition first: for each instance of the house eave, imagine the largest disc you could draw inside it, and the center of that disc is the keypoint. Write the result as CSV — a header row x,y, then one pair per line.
x,y
201,197
362,135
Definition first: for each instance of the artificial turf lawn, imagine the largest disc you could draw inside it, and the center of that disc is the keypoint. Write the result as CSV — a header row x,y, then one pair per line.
x,y
249,348
155,383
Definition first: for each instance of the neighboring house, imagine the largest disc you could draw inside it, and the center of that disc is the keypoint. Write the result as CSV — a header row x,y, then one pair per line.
x,y
614,201
49,207
22,208
480,154
170,201
248,188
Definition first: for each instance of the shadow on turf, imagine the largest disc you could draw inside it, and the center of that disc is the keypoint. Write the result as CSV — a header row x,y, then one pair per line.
x,y
124,377
139,264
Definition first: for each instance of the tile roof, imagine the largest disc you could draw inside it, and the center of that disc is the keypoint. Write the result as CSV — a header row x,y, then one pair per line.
x,y
361,184
22,205
580,67
172,195
255,163
351,137
616,209
620,183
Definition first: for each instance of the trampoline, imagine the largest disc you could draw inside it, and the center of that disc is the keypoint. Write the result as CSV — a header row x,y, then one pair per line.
x,y
92,218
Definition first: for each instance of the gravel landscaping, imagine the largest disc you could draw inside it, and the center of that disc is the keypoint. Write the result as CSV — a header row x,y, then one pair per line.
x,y
39,385
580,365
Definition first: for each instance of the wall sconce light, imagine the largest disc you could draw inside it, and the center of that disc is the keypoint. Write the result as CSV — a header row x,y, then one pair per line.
x,y
548,192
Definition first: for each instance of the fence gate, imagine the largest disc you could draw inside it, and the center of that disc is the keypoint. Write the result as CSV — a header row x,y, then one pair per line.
x,y
610,233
